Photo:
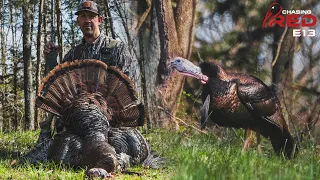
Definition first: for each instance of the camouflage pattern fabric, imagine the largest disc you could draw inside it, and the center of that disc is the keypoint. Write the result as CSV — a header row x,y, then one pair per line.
x,y
110,51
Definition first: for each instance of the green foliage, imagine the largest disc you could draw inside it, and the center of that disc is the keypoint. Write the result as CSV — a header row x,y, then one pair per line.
x,y
9,106
190,155
185,103
17,141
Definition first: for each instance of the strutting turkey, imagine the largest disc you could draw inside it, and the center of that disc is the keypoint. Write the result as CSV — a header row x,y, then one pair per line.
x,y
98,107
240,101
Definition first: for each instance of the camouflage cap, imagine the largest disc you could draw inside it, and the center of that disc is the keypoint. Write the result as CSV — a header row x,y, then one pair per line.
x,y
88,6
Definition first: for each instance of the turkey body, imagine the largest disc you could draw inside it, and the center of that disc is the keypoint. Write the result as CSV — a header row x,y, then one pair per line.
x,y
85,141
226,107
244,101
239,101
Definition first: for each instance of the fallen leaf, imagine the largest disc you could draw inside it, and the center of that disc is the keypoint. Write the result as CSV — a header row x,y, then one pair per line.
x,y
13,162
50,171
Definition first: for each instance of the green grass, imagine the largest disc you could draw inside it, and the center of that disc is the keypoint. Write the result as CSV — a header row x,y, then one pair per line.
x,y
190,155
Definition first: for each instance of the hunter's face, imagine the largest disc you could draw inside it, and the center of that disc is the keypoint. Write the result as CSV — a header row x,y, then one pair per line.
x,y
89,23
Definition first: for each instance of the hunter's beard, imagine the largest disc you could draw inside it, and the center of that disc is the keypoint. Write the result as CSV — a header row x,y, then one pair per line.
x,y
87,30
88,33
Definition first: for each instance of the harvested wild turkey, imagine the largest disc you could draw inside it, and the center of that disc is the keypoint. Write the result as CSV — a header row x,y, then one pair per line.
x,y
92,99
240,101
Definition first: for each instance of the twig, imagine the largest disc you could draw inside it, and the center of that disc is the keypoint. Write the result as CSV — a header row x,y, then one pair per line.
x,y
310,125
316,121
285,104
290,117
180,120
305,89
279,46
281,40
199,130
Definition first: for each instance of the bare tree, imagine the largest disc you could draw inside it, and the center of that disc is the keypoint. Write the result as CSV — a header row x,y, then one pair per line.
x,y
3,62
28,89
39,49
59,29
45,33
15,121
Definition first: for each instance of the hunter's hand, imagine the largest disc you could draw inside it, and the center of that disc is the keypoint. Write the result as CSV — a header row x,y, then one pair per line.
x,y
48,48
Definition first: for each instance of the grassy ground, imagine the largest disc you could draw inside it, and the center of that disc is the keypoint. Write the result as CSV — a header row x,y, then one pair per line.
x,y
190,156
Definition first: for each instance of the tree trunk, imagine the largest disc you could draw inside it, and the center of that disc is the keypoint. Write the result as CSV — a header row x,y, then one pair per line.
x,y
53,23
59,29
45,33
278,70
38,65
3,65
171,34
15,120
282,55
72,30
28,93
142,63
282,70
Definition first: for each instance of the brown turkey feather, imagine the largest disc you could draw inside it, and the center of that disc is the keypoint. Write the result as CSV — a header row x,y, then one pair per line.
x,y
70,80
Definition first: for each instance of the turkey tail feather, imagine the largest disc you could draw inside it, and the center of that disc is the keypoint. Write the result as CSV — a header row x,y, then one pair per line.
x,y
130,116
70,80
281,139
205,112
283,144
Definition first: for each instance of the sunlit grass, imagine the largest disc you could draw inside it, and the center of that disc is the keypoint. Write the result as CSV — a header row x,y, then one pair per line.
x,y
199,156
191,155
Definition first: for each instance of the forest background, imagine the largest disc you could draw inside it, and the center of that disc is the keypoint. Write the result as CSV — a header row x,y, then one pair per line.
x,y
228,32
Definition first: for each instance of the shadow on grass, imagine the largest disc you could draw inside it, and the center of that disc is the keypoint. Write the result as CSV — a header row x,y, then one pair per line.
x,y
6,154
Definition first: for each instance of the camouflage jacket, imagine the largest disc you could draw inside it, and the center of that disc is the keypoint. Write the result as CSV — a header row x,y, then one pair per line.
x,y
106,49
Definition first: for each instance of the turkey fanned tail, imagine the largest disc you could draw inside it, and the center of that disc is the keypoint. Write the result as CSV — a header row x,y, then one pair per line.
x,y
110,89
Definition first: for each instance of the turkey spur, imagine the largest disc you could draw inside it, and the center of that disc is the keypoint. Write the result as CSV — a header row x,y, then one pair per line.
x,y
99,109
239,101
